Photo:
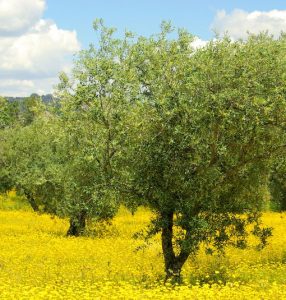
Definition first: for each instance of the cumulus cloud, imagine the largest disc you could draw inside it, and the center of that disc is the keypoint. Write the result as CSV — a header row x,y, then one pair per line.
x,y
16,16
238,22
12,87
38,52
198,43
33,50
25,87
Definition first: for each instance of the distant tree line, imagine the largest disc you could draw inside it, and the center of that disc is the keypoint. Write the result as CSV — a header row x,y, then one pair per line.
x,y
45,98
196,135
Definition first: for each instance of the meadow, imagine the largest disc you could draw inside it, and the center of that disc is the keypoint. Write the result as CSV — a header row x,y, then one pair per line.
x,y
38,261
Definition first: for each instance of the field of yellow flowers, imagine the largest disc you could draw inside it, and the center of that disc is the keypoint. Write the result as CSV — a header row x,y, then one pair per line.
x,y
37,261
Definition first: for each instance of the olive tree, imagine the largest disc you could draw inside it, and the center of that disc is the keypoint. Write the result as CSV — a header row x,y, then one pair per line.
x,y
94,101
201,137
9,113
65,161
4,121
29,108
33,161
50,162
5,114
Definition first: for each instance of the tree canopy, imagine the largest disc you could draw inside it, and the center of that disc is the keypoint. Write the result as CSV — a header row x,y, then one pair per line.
x,y
202,137
189,133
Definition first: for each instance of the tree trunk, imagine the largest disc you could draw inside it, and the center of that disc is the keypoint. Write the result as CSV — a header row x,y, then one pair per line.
x,y
173,263
77,224
32,201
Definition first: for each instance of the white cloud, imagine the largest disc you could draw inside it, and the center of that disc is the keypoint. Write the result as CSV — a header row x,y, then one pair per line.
x,y
239,22
12,87
40,51
32,58
24,87
16,16
197,43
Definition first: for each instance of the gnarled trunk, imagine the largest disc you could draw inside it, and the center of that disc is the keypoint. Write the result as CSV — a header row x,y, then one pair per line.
x,y
173,262
32,201
77,224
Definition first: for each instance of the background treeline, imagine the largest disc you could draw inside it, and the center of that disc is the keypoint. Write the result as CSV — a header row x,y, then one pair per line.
x,y
196,135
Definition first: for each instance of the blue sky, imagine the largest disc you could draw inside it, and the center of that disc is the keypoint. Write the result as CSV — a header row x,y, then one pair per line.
x,y
38,38
144,17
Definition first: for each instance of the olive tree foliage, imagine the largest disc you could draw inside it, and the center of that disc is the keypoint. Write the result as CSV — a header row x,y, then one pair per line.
x,y
25,150
94,102
15,116
6,120
6,113
201,138
49,161
33,160
29,108
65,160
277,183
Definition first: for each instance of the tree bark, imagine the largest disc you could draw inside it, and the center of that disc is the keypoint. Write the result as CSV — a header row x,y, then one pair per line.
x,y
77,224
173,262
32,201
